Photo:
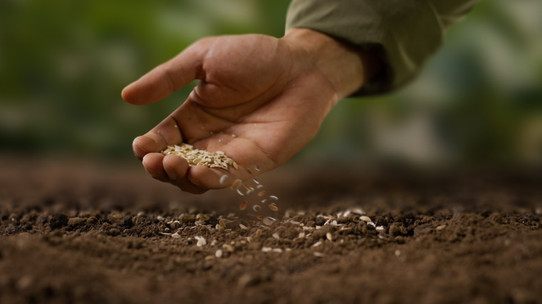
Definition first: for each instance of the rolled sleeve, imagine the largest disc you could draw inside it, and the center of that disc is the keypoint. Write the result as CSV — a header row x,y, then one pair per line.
x,y
403,34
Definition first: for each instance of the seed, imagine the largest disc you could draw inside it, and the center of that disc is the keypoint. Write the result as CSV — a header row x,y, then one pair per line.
x,y
276,236
263,201
201,241
239,192
243,227
261,193
256,181
256,208
266,249
329,237
441,227
279,250
318,254
236,183
381,228
218,253
365,218
260,218
268,221
273,207
257,168
243,205
223,179
273,197
176,235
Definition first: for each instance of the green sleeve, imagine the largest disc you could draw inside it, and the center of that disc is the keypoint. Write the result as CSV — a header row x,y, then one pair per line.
x,y
402,33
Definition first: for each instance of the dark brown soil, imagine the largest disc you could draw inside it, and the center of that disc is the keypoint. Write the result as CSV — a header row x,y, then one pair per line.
x,y
82,232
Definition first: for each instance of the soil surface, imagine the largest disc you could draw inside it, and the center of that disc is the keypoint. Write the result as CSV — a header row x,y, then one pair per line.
x,y
87,232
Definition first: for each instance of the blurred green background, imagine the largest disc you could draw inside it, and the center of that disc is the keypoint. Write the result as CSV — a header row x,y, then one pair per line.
x,y
63,65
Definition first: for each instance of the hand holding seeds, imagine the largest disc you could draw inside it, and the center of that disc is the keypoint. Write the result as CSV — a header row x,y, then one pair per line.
x,y
259,100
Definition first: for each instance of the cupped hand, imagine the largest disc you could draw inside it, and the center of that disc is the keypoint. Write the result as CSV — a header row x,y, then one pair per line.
x,y
259,99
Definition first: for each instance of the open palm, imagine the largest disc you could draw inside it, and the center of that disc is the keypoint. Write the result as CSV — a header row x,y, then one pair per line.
x,y
258,99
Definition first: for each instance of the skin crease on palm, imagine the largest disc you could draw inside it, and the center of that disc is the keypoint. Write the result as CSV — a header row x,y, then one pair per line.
x,y
259,99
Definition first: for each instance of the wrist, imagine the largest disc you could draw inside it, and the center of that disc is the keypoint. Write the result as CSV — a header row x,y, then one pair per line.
x,y
345,68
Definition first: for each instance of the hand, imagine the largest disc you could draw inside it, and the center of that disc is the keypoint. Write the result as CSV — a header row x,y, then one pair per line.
x,y
259,99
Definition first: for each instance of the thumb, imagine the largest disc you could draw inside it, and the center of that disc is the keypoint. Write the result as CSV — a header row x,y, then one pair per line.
x,y
166,78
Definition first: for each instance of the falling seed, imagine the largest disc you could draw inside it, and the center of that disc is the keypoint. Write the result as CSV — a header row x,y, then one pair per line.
x,y
260,218
223,179
243,205
365,218
239,192
273,197
257,168
218,253
268,221
259,187
263,201
256,208
236,184
273,207
256,181
261,193
250,190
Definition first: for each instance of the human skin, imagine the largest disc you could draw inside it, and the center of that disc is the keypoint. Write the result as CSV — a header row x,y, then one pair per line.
x,y
259,99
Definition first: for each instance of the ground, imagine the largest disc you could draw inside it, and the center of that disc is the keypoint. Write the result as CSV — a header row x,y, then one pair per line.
x,y
94,232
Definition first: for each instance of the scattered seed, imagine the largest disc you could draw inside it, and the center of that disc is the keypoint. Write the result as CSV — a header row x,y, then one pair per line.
x,y
441,227
239,192
201,241
266,249
365,218
176,235
256,181
268,221
317,244
318,254
263,201
273,197
277,250
329,236
261,193
218,253
276,236
381,228
256,208
243,227
371,224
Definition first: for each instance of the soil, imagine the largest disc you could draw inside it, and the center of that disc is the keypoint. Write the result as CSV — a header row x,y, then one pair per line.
x,y
94,232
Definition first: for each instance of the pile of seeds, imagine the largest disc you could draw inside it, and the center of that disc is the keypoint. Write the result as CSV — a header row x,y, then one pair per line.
x,y
201,157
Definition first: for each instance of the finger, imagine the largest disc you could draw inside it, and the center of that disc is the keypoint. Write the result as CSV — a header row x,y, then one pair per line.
x,y
166,78
153,165
176,168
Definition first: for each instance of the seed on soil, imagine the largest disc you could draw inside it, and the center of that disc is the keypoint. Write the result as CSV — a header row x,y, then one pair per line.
x,y
218,253
318,254
243,227
266,249
441,227
381,228
201,241
329,236
365,218
195,156
268,221
176,235
276,236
